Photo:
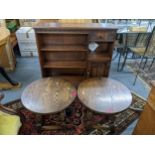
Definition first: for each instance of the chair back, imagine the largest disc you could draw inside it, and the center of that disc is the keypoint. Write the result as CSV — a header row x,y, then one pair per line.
x,y
150,47
138,39
142,40
131,39
126,40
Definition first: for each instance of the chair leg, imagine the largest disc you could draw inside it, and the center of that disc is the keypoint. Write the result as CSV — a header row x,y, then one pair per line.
x,y
145,63
138,71
124,62
115,56
5,75
119,59
152,63
133,55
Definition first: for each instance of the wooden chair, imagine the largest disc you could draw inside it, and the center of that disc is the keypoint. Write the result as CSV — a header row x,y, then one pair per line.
x,y
145,52
132,40
125,42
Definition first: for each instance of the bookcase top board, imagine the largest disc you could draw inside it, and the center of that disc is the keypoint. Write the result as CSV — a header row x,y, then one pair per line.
x,y
74,26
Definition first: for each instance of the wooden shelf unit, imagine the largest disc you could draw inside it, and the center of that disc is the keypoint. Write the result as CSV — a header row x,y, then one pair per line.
x,y
63,49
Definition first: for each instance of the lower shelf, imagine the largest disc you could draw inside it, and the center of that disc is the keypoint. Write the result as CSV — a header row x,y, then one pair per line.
x,y
65,64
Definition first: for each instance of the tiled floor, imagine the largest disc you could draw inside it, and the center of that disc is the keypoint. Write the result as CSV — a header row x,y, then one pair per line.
x,y
28,70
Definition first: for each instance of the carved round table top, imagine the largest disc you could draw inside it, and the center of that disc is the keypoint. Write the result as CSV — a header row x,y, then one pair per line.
x,y
104,95
48,95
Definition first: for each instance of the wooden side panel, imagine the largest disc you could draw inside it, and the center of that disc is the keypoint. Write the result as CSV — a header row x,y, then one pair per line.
x,y
151,98
146,123
39,45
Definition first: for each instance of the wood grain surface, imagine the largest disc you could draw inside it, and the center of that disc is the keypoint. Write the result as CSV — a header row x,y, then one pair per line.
x,y
48,95
75,26
146,123
104,95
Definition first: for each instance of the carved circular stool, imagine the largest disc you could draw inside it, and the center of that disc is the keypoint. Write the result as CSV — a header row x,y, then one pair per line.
x,y
48,95
104,95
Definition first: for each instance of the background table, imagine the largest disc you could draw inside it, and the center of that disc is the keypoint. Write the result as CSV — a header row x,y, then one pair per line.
x,y
129,38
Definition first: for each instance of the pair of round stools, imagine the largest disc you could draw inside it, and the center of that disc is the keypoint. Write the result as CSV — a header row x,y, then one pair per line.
x,y
54,94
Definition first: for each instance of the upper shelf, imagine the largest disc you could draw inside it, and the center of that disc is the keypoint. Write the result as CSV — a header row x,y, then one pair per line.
x,y
64,48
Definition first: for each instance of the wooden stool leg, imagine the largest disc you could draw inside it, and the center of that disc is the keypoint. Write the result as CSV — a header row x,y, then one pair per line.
x,y
39,122
112,123
52,126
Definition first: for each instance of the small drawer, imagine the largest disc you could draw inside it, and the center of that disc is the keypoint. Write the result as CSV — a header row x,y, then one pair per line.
x,y
101,36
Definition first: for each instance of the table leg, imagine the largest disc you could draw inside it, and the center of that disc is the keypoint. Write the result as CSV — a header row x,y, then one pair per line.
x,y
39,118
40,124
119,60
124,62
